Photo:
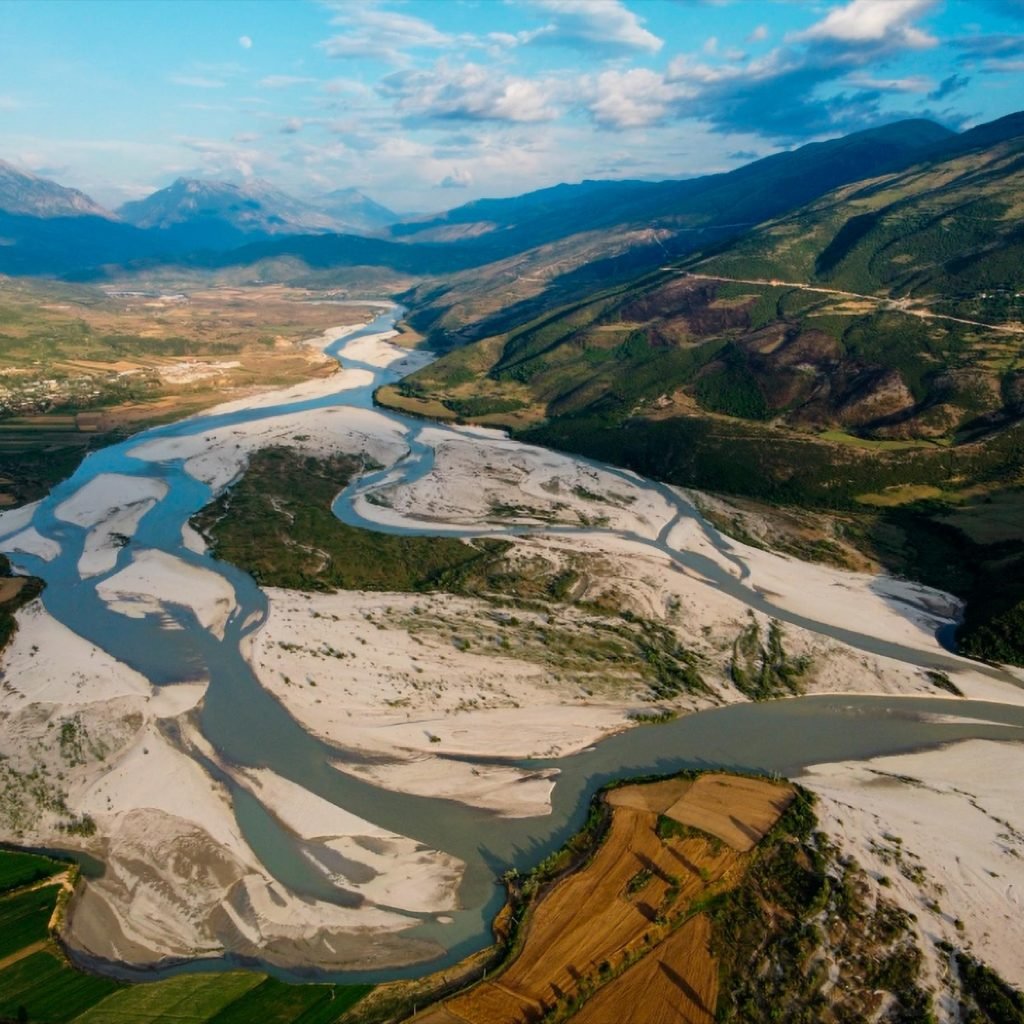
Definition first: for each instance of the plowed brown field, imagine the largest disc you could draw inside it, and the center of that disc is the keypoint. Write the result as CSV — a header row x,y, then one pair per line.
x,y
623,904
737,810
677,983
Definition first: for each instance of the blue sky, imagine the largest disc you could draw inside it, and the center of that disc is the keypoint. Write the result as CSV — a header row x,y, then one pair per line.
x,y
429,103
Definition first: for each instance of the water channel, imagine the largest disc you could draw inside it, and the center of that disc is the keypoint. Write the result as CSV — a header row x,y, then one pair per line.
x,y
248,727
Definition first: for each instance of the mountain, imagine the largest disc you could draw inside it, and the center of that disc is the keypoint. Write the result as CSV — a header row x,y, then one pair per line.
x,y
47,228
866,310
674,217
947,232
220,215
24,194
859,354
746,196
351,210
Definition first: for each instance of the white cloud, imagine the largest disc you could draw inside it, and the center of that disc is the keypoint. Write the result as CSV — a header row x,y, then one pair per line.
x,y
912,83
632,99
284,81
859,22
469,92
459,178
758,35
1004,66
711,44
220,159
197,81
245,42
292,126
372,30
345,87
593,24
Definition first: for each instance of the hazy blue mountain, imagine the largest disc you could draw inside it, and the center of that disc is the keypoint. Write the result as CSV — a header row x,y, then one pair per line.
x,y
741,197
26,194
352,210
217,214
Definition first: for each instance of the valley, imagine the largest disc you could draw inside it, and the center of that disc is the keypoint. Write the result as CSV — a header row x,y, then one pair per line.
x,y
512,514
577,601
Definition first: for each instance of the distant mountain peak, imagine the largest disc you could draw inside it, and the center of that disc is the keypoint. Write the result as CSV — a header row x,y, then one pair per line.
x,y
27,194
221,212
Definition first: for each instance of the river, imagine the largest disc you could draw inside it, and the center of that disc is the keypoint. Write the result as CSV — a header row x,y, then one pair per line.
x,y
248,727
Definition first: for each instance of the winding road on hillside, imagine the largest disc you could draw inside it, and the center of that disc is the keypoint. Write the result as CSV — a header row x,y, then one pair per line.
x,y
898,305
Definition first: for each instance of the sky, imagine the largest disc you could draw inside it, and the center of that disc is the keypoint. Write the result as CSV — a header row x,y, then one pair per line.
x,y
426,104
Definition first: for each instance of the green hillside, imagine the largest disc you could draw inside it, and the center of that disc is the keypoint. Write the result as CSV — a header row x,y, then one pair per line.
x,y
947,233
863,354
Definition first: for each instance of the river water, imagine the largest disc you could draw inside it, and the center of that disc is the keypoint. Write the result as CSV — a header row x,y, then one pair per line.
x,y
250,728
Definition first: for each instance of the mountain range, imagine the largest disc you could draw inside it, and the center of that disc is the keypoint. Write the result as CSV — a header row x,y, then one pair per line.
x,y
859,354
52,229
836,327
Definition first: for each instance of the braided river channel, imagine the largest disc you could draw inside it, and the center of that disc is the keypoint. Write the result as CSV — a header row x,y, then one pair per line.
x,y
248,727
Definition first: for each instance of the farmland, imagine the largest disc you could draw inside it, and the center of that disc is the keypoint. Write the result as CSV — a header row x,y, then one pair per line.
x,y
644,892
83,366
38,985
20,869
692,897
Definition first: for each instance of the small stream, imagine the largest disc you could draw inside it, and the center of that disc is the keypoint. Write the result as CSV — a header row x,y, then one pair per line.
x,y
248,727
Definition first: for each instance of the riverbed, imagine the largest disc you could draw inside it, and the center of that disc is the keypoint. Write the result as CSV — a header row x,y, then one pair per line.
x,y
126,576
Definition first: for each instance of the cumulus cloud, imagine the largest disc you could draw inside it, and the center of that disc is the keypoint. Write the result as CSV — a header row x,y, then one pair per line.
x,y
469,92
632,99
822,80
292,126
245,42
876,22
227,159
592,24
459,178
759,34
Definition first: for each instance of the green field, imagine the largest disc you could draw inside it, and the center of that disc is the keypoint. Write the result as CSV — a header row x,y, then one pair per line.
x,y
41,987
274,1002
18,869
25,918
189,999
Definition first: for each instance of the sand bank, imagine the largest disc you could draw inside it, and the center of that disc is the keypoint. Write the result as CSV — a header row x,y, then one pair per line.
x,y
381,866
946,829
217,456
31,542
107,494
378,350
153,580
510,792
482,478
